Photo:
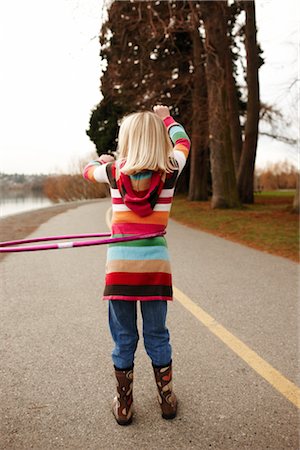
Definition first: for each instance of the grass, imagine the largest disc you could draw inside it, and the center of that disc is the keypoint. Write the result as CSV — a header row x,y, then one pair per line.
x,y
278,193
267,225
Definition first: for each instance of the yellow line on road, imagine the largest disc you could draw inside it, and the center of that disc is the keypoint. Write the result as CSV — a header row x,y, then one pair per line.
x,y
264,369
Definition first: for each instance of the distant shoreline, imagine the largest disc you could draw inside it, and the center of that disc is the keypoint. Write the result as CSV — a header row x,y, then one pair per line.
x,y
20,225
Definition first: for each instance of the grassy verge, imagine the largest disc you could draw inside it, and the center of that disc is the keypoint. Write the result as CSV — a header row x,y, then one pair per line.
x,y
268,225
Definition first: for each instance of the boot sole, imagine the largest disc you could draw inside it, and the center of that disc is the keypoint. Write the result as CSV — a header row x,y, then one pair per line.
x,y
169,416
123,423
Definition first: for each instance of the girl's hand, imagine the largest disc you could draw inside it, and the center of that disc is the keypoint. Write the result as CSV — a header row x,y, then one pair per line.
x,y
162,111
103,159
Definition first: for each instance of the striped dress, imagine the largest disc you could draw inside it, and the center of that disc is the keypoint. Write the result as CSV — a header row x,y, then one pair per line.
x,y
141,203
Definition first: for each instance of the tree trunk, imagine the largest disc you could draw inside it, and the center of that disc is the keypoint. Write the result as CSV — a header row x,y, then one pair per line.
x,y
247,162
233,112
296,206
225,193
199,158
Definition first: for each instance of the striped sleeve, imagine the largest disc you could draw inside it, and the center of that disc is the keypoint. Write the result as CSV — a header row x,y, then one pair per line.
x,y
180,140
95,172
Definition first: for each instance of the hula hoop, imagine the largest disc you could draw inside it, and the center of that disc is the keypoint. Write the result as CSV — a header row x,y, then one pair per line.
x,y
5,247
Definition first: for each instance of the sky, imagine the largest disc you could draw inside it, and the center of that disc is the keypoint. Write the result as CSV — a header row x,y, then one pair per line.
x,y
50,80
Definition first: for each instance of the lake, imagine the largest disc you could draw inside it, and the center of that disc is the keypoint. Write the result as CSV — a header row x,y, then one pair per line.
x,y
16,202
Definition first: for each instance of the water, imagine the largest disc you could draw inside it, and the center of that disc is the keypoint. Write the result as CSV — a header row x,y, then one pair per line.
x,y
16,202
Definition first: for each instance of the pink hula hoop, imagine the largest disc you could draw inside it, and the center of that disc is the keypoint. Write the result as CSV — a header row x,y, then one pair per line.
x,y
8,246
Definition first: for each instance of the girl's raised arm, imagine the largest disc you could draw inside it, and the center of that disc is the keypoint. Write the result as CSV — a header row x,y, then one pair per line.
x,y
177,135
95,171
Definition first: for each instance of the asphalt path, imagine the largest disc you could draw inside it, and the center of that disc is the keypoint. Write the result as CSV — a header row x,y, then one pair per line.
x,y
56,376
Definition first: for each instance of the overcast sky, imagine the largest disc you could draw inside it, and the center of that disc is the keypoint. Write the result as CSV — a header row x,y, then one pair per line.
x,y
49,79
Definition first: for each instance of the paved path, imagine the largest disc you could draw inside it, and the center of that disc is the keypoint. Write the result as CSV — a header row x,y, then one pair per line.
x,y
56,375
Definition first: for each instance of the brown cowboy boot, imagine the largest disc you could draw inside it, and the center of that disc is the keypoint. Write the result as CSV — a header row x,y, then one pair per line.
x,y
122,404
166,397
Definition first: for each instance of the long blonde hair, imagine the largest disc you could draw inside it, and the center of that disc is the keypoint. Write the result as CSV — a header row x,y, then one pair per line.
x,y
144,144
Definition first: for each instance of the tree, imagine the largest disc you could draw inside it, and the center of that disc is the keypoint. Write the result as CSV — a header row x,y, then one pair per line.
x,y
245,177
296,203
104,126
155,54
199,160
149,52
233,95
222,167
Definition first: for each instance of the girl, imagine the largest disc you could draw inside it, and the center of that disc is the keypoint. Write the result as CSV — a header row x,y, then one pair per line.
x,y
142,182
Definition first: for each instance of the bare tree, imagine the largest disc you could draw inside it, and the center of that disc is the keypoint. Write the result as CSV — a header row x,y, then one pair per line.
x,y
156,52
199,160
245,178
222,167
296,203
232,89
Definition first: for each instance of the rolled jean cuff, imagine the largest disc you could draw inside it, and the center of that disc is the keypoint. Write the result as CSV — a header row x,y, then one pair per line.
x,y
124,370
161,366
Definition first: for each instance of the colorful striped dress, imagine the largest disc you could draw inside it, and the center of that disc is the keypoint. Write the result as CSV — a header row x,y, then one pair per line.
x,y
141,203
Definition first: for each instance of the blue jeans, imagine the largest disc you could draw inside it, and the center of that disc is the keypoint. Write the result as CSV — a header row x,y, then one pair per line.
x,y
124,331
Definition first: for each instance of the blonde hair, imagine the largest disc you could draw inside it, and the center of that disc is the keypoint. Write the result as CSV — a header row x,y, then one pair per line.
x,y
144,144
